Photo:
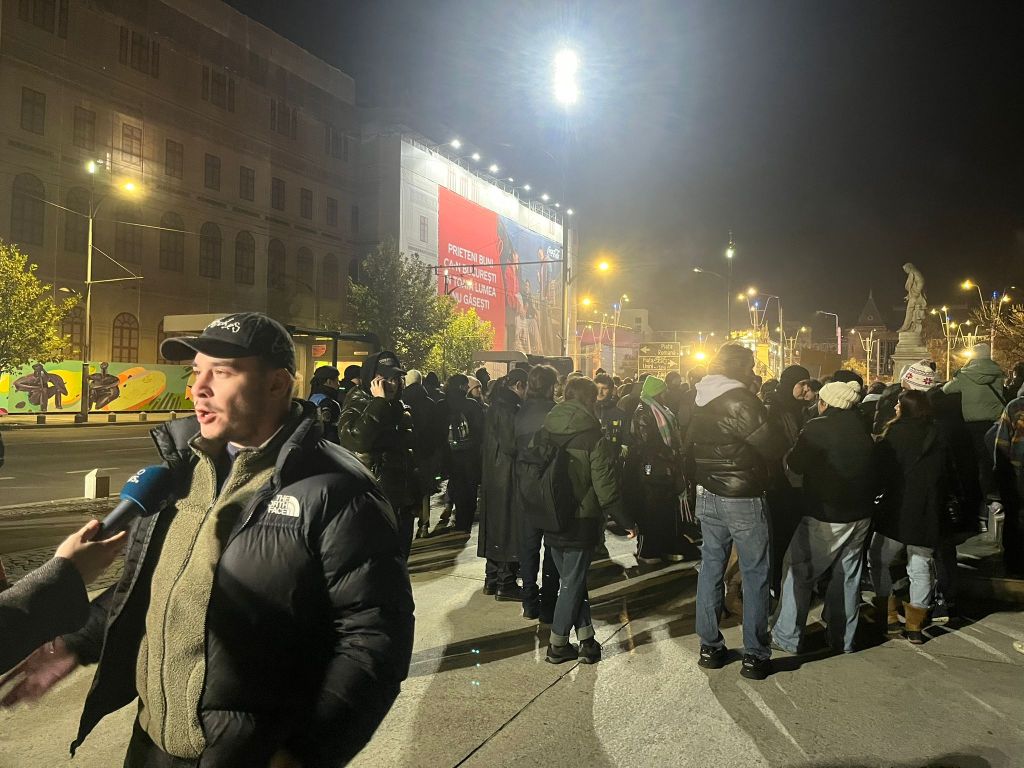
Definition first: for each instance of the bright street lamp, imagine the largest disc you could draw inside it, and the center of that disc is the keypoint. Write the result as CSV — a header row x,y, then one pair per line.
x,y
603,266
545,197
493,168
455,144
568,212
567,64
475,157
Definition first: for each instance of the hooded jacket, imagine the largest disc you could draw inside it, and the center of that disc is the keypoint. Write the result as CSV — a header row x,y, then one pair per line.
x,y
730,442
592,473
980,383
310,618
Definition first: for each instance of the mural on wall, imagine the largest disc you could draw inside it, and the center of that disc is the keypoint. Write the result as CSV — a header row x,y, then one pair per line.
x,y
57,388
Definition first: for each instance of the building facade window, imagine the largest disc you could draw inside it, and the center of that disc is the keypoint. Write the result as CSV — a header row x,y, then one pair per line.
x,y
131,143
211,173
85,128
423,229
277,194
354,219
174,159
331,281
128,236
245,259
218,88
28,211
246,183
48,15
276,270
209,250
306,203
76,220
172,242
124,341
335,143
332,212
72,328
305,269
139,52
33,111
283,119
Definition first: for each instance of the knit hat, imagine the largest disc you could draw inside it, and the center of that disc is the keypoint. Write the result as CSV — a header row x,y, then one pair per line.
x,y
840,394
474,382
653,386
920,376
981,352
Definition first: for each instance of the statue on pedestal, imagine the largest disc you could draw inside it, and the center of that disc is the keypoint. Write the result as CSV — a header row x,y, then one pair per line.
x,y
917,304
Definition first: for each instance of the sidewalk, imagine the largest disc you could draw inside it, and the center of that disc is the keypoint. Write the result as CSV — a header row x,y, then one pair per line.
x,y
479,692
30,420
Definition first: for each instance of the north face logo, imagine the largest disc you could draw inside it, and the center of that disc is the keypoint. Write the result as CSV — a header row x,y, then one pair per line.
x,y
284,505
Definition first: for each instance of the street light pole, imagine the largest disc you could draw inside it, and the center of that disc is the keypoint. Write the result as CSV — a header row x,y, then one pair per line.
x,y
730,251
83,415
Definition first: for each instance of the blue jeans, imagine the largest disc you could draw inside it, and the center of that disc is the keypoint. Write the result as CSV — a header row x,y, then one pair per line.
x,y
724,521
920,568
816,548
572,609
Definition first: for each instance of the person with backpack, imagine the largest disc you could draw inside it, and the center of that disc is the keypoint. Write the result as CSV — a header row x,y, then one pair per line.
x,y
587,488
540,399
465,450
498,536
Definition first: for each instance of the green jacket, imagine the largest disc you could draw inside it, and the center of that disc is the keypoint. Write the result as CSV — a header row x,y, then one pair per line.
x,y
592,472
980,384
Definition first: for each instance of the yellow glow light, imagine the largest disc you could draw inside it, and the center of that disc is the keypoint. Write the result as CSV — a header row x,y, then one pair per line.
x,y
699,356
604,266
586,301
967,285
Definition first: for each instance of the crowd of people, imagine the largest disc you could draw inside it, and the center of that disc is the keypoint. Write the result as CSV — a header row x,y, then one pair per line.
x,y
283,549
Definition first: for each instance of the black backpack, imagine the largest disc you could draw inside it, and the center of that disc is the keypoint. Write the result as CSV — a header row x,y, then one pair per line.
x,y
545,489
459,438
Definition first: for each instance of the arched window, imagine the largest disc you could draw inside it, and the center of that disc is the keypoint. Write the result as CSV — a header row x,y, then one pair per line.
x,y
209,250
27,210
172,242
331,287
128,237
245,259
124,342
276,271
76,220
305,269
72,328
353,269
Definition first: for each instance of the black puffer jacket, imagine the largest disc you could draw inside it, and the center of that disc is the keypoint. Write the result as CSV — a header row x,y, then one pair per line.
x,y
380,433
310,621
730,443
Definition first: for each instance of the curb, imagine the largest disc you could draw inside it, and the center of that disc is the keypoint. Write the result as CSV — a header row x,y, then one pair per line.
x,y
999,589
17,426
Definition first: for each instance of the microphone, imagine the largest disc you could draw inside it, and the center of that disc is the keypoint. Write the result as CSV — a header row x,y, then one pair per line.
x,y
142,495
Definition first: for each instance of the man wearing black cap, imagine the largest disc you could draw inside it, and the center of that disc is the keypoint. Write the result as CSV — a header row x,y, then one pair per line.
x,y
325,395
350,380
377,427
265,615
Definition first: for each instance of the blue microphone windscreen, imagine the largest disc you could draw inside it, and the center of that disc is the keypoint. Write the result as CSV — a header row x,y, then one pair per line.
x,y
149,487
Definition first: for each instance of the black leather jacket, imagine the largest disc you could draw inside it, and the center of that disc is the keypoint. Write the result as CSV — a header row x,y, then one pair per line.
x,y
730,445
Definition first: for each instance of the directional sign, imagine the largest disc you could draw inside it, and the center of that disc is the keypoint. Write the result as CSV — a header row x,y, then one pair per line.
x,y
659,363
659,349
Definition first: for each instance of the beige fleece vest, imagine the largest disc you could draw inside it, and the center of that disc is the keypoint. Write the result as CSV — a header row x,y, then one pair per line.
x,y
171,667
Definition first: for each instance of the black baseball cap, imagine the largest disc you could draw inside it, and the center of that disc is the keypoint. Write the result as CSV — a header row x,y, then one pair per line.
x,y
244,334
384,364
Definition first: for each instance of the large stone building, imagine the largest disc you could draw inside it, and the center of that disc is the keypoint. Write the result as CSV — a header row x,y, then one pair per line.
x,y
237,143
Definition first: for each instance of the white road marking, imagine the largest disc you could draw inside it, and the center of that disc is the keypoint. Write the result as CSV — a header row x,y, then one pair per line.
x,y
7,478
979,643
765,710
986,705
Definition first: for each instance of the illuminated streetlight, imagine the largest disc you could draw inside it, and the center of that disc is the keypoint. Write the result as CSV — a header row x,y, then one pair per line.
x,y
511,180
526,187
751,291
545,197
567,64
604,266
586,302
476,157
493,168
569,211
455,144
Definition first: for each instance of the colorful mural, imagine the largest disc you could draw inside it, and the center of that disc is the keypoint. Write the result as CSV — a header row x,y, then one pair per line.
x,y
57,388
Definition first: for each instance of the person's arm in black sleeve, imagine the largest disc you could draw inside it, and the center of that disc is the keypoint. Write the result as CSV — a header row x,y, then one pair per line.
x,y
800,457
47,602
760,432
371,612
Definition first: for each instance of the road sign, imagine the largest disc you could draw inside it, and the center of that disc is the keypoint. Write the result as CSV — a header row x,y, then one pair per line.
x,y
656,363
659,349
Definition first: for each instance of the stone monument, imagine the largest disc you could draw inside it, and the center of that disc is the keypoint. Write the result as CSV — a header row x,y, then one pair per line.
x,y
911,347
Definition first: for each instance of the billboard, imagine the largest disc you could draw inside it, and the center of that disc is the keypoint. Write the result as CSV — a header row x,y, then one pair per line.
x,y
504,260
509,274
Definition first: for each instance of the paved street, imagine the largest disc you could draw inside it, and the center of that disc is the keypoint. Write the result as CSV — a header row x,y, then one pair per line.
x,y
46,463
480,693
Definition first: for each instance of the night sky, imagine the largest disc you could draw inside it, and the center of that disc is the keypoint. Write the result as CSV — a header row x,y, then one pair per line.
x,y
837,140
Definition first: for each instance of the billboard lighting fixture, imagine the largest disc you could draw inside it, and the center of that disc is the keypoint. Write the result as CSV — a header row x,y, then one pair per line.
x,y
476,156
569,211
545,197
526,187
494,168
456,144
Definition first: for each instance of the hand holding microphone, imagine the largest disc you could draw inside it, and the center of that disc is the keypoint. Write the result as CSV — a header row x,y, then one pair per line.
x,y
142,495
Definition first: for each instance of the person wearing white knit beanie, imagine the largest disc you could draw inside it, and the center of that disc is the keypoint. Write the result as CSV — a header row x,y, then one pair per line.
x,y
836,456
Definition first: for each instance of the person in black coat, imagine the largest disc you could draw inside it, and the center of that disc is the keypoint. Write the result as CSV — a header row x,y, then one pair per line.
x,y
498,537
836,457
537,603
430,434
915,464
465,450
51,600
